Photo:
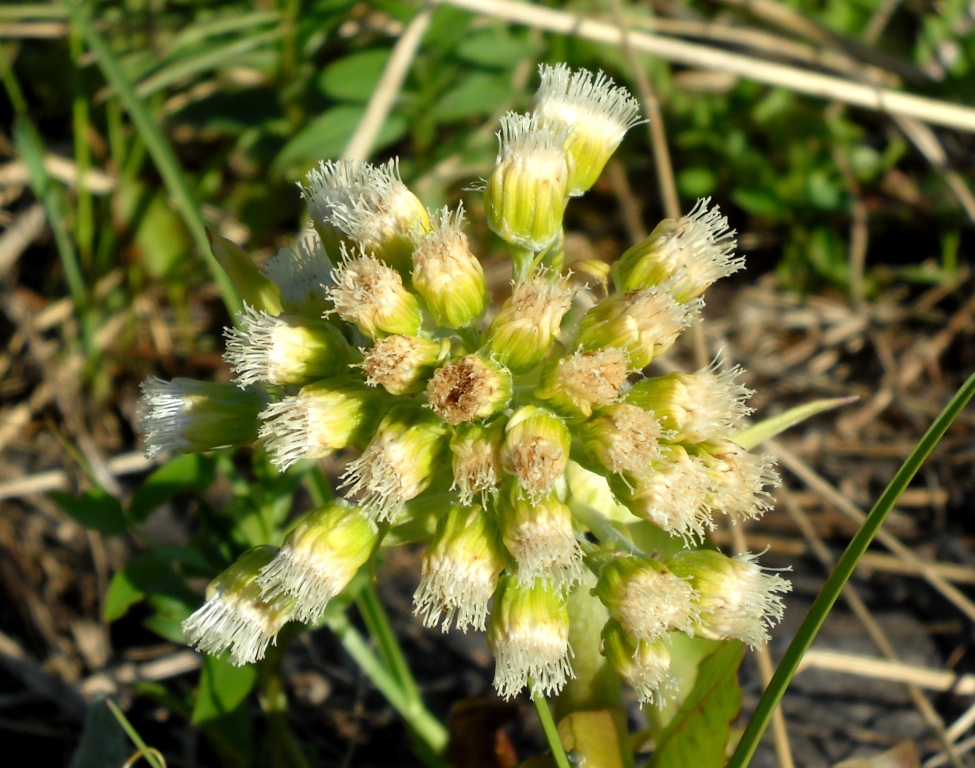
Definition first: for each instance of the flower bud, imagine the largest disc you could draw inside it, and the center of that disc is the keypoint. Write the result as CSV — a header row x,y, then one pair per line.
x,y
322,418
285,350
598,113
364,205
529,636
469,389
401,364
687,254
370,295
302,273
448,277
738,479
576,383
236,617
476,460
318,559
525,196
623,439
252,286
643,324
460,572
695,406
737,599
540,537
189,416
522,332
645,597
643,664
672,496
399,462
536,449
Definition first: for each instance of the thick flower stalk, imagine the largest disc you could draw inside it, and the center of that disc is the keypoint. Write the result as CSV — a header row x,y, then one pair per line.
x,y
534,428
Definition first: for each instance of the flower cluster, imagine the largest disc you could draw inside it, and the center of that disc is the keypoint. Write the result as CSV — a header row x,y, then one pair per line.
x,y
558,454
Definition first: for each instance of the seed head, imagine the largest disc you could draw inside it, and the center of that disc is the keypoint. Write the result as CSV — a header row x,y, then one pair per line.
x,y
285,350
446,274
319,558
687,254
460,570
189,416
529,635
236,617
598,113
469,389
322,418
525,196
737,599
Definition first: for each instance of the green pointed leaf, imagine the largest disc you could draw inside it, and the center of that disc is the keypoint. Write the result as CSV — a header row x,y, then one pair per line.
x,y
146,575
223,688
763,430
96,509
188,472
699,733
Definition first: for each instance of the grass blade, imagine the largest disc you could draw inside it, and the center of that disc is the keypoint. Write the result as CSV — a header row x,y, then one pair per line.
x,y
156,144
841,575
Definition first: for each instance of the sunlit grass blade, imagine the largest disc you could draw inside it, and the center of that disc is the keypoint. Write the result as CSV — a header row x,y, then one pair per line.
x,y
768,428
156,144
841,575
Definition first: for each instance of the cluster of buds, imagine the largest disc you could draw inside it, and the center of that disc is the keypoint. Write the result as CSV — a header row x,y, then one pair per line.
x,y
556,452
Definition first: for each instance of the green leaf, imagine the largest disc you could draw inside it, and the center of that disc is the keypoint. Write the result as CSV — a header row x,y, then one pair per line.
x,y
477,94
769,428
96,509
186,473
223,688
760,202
327,136
497,48
141,576
354,78
698,735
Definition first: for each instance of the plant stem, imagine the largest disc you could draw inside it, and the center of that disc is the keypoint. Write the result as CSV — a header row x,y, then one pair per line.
x,y
551,732
841,574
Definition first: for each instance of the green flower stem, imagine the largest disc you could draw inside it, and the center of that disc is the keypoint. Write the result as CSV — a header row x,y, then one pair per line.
x,y
522,261
374,614
427,728
841,574
394,679
551,732
151,755
285,751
